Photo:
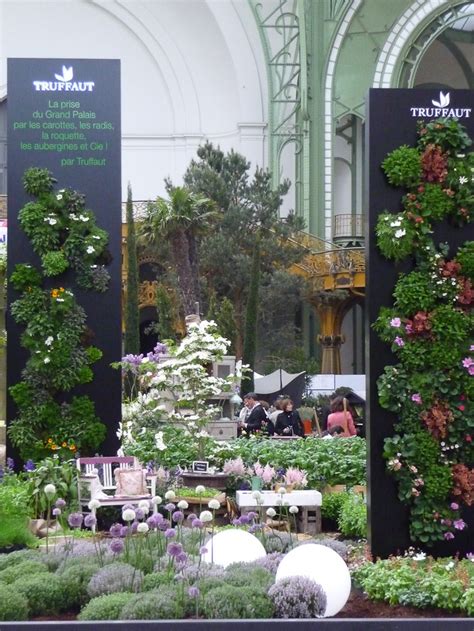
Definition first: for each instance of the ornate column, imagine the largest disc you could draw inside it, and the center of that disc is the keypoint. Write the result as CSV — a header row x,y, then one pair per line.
x,y
331,307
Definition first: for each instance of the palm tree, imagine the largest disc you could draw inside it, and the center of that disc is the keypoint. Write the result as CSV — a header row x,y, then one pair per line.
x,y
179,219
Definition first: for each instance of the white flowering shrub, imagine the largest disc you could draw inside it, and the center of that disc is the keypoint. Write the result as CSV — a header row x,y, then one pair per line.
x,y
175,389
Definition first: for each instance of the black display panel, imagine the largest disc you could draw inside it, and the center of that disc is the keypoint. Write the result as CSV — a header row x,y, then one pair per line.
x,y
64,115
391,121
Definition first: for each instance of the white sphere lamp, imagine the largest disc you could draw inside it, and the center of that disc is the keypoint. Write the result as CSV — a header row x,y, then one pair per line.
x,y
323,566
233,546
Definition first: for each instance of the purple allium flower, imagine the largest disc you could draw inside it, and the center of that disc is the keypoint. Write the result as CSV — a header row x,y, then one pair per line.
x,y
170,533
193,592
29,465
134,527
191,517
116,546
139,513
244,519
203,550
396,323
128,507
399,341
56,512
75,520
252,515
164,525
60,503
10,464
115,530
448,535
459,524
454,506
254,528
90,521
178,516
182,558
236,521
124,530
298,597
170,507
416,398
197,523
174,549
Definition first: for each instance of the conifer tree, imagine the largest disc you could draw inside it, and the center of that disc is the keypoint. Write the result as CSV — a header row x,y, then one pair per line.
x,y
132,326
251,320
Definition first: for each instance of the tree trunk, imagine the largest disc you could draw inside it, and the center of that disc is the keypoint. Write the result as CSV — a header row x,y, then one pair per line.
x,y
194,265
239,325
251,321
186,284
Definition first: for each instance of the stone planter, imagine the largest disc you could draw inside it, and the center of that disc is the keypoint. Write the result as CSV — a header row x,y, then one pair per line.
x,y
39,527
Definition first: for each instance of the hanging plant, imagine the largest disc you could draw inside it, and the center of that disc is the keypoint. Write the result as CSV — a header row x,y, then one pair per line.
x,y
64,234
430,328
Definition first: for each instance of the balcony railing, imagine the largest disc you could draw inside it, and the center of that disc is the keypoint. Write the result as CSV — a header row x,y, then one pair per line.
x,y
348,227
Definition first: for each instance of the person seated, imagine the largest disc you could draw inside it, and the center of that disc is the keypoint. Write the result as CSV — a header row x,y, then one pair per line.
x,y
334,432
256,414
340,415
288,422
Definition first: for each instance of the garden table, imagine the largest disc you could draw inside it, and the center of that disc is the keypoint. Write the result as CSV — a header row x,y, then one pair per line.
x,y
309,501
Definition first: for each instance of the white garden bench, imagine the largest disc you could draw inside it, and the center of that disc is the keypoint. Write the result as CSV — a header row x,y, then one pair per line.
x,y
96,481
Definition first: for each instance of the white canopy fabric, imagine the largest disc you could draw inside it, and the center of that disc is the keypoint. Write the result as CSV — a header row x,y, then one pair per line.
x,y
275,381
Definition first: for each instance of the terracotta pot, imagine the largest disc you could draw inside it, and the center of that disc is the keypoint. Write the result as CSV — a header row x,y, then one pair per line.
x,y
337,488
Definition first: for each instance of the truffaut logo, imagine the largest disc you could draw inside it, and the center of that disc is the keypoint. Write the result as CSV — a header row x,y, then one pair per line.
x,y
441,108
64,83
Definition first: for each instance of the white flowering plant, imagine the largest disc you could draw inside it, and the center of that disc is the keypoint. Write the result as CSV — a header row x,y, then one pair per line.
x,y
173,387
63,232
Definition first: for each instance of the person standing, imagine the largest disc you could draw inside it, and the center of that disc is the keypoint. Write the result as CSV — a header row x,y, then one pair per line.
x,y
340,415
288,422
257,417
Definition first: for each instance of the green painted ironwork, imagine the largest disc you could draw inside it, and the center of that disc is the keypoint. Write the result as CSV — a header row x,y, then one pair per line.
x,y
438,22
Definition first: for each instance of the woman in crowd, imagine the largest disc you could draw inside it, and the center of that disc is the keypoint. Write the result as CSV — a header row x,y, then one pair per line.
x,y
340,415
288,422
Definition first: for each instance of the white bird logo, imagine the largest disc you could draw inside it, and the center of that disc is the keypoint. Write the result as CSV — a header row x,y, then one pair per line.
x,y
66,76
444,100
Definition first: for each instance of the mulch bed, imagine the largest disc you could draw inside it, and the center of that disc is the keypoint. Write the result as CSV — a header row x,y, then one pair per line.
x,y
360,606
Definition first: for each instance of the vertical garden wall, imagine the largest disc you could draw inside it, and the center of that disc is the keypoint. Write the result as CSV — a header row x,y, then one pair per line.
x,y
64,324
419,318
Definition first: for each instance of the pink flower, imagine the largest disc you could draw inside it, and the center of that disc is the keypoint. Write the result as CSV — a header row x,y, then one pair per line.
x,y
268,474
409,328
399,341
459,524
467,362
234,467
416,398
295,477
448,535
471,348
454,506
471,369
396,323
